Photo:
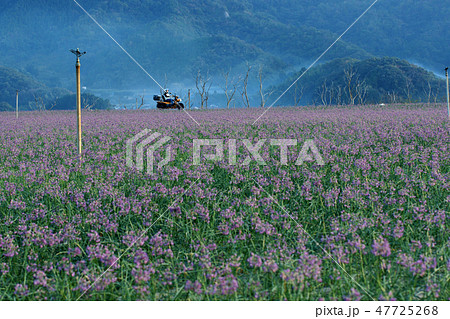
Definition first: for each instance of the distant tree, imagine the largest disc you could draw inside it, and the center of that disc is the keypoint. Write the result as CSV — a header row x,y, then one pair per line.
x,y
89,101
244,92
5,107
339,93
330,94
408,89
323,92
298,93
263,94
201,83
373,80
39,103
427,91
230,87
142,101
351,79
361,92
436,95
392,97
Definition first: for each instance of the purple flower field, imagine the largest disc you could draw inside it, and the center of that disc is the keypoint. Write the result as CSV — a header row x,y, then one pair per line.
x,y
370,224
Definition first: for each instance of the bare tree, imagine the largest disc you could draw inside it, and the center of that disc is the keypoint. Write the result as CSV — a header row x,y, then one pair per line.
x,y
230,87
327,93
298,93
361,92
392,97
408,88
88,105
323,92
39,102
201,82
351,78
262,94
51,106
331,93
142,100
339,93
244,92
436,95
427,91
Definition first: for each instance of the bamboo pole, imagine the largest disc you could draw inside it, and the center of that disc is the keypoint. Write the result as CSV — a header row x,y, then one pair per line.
x,y
79,106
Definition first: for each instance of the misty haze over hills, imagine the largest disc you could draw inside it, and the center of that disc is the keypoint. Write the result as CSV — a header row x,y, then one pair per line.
x,y
173,40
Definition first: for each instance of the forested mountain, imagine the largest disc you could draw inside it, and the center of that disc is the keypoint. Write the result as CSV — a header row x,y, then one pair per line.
x,y
174,39
33,94
351,81
417,31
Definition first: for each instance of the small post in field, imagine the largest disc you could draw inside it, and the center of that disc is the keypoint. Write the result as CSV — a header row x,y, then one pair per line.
x,y
448,97
189,98
77,66
17,104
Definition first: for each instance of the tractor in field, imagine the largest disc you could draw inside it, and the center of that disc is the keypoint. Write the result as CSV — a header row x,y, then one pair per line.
x,y
168,101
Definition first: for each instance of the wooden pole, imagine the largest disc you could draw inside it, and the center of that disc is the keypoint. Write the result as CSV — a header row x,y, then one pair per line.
x,y
448,97
189,98
17,104
79,105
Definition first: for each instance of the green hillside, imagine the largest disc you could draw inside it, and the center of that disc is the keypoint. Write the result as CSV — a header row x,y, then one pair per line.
x,y
351,81
33,95
177,38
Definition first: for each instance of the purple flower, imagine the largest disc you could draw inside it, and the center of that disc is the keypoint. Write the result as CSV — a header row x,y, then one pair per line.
x,y
4,268
270,265
143,273
21,290
389,297
17,205
195,286
381,247
7,244
354,295
227,285
254,260
73,252
40,278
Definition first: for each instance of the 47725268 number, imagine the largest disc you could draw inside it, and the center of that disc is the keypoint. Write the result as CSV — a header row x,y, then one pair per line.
x,y
407,310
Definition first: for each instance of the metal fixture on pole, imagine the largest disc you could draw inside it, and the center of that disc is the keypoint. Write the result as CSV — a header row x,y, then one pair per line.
x,y
77,65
